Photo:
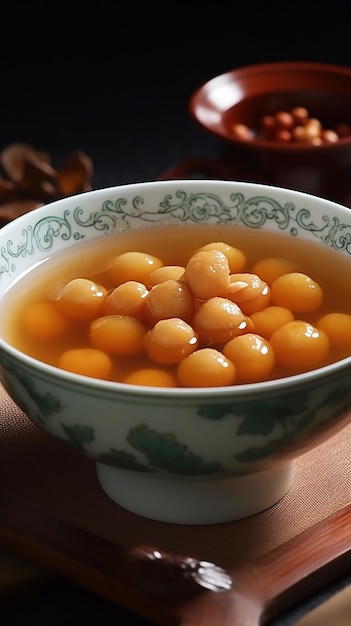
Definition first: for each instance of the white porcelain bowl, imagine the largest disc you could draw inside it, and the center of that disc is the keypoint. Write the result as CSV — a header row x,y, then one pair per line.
x,y
189,456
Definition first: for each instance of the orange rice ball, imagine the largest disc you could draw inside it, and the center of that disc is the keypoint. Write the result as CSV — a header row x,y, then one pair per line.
x,y
170,341
207,274
271,268
80,299
338,328
236,258
296,291
217,320
126,299
44,322
151,377
299,346
266,321
252,356
166,272
249,291
206,367
170,298
87,362
117,334
133,266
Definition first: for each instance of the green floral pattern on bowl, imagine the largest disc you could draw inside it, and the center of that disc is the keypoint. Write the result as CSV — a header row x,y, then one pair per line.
x,y
267,426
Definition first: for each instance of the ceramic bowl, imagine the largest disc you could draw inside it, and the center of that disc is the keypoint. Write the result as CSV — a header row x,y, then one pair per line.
x,y
189,456
244,95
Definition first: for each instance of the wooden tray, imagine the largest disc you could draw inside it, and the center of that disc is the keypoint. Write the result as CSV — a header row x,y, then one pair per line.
x,y
54,511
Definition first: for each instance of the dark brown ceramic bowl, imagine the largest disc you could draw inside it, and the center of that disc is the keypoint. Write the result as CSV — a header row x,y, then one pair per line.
x,y
245,95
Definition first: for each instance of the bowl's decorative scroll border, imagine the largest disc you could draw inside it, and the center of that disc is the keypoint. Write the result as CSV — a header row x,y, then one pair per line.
x,y
181,207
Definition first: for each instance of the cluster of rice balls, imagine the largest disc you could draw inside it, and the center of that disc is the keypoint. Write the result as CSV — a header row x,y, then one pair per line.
x,y
295,126
206,324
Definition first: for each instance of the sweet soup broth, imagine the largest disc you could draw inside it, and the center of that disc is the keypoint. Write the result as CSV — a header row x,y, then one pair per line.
x,y
246,350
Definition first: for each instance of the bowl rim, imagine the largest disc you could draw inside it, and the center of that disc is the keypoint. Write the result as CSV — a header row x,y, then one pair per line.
x,y
179,394
200,96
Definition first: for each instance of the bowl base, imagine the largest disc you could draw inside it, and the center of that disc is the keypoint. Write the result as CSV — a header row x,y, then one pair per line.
x,y
196,501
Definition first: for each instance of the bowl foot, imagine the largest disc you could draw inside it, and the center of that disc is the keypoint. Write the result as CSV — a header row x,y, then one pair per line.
x,y
196,501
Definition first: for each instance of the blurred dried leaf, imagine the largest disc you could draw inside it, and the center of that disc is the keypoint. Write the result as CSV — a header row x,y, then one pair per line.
x,y
37,180
30,179
75,174
7,190
14,157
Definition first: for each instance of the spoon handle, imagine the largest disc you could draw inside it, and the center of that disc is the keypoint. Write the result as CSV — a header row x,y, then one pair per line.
x,y
301,566
280,579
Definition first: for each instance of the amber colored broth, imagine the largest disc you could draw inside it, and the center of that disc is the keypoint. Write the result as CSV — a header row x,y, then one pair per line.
x,y
174,245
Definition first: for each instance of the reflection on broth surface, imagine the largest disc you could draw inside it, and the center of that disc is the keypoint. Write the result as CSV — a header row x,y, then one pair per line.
x,y
185,306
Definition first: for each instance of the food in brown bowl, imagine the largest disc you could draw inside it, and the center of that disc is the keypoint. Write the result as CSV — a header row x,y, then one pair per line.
x,y
288,122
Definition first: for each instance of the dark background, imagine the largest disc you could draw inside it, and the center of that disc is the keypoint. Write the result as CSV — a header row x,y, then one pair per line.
x,y
114,79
